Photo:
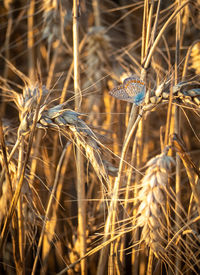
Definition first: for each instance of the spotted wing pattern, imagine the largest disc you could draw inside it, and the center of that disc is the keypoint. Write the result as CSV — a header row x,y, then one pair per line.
x,y
133,85
132,90
120,93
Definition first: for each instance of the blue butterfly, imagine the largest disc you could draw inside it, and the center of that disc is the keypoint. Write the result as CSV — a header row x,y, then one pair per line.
x,y
132,90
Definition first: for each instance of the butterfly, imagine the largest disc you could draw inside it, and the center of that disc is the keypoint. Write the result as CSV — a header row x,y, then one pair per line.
x,y
132,90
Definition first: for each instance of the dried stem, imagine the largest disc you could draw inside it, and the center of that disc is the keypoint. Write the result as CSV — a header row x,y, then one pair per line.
x,y
177,117
30,39
79,157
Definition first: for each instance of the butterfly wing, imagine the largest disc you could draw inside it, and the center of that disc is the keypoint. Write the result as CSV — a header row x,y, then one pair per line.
x,y
120,93
138,99
133,85
135,88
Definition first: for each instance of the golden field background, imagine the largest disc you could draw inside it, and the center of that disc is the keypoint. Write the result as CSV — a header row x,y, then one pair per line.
x,y
91,184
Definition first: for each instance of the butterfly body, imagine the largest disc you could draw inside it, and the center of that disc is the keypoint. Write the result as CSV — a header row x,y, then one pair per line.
x,y
132,90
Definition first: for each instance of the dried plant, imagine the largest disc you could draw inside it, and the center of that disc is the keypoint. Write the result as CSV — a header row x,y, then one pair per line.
x,y
153,201
83,186
97,62
195,59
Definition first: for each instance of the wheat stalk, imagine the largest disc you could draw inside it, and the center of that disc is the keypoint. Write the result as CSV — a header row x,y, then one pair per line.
x,y
38,199
152,216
